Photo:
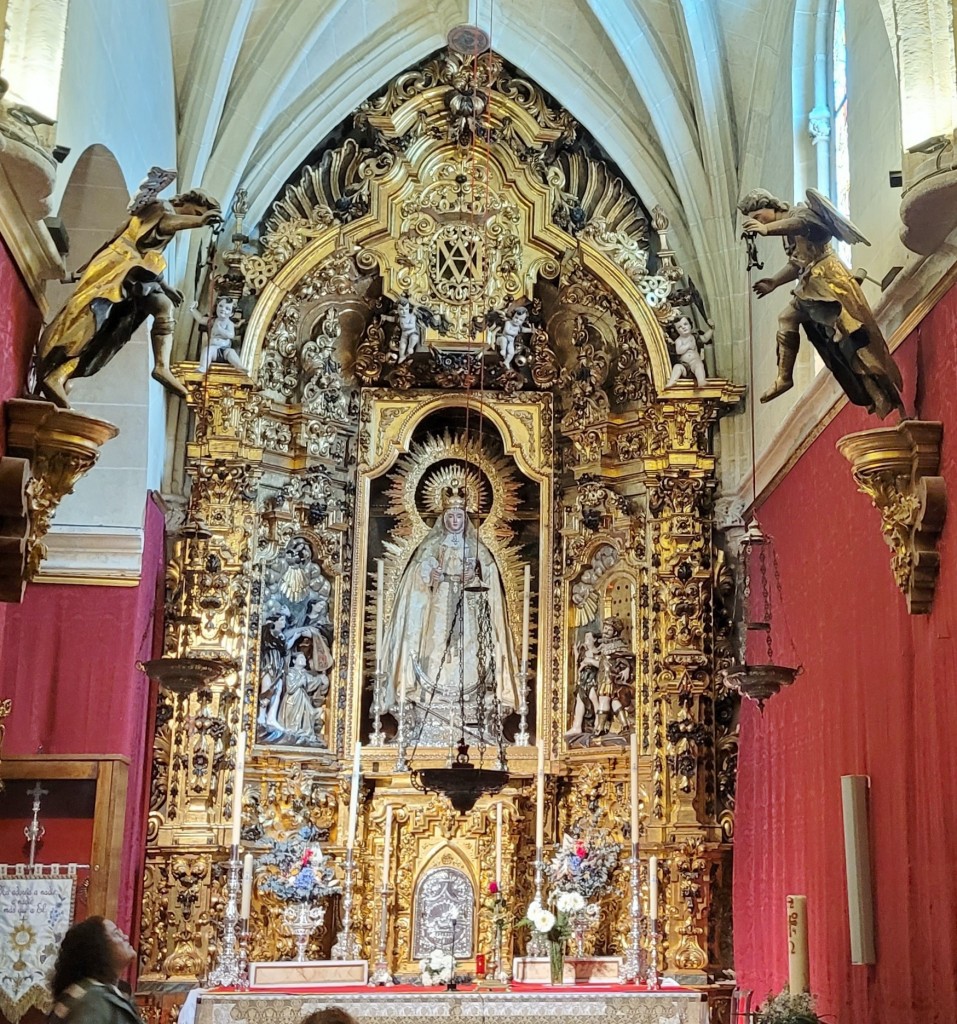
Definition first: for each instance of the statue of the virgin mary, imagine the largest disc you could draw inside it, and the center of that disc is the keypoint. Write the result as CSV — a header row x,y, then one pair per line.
x,y
450,589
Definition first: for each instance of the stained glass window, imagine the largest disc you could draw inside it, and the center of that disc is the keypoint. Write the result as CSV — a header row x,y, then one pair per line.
x,y
841,187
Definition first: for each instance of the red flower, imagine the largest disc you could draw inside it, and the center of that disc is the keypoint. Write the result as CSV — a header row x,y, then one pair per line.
x,y
306,857
580,851
493,887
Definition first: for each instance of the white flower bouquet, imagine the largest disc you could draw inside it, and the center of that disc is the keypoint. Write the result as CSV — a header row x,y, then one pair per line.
x,y
438,968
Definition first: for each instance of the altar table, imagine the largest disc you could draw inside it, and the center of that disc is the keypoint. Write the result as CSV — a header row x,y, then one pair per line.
x,y
561,1005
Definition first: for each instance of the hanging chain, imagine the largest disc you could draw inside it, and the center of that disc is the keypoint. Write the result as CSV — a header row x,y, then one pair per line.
x,y
766,600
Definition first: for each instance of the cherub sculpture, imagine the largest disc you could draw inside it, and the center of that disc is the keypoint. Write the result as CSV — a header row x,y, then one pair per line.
x,y
826,301
690,362
507,338
220,334
412,321
120,286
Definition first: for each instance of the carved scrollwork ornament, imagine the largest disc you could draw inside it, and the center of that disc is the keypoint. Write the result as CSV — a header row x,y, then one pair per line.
x,y
897,468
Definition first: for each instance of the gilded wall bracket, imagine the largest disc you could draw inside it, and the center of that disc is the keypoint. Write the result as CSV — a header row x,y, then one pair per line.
x,y
897,468
48,450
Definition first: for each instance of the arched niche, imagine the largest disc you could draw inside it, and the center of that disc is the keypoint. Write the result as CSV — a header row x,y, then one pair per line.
x,y
444,887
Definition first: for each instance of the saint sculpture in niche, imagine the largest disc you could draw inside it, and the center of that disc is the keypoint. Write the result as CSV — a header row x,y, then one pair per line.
x,y
295,656
447,641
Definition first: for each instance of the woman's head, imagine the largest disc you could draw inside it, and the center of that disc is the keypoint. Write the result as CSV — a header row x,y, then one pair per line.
x,y
94,948
454,519
331,1015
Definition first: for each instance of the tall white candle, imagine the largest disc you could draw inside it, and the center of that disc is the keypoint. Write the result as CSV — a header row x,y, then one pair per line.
x,y
237,818
526,609
498,844
653,888
354,798
633,787
379,611
540,797
798,971
386,846
247,899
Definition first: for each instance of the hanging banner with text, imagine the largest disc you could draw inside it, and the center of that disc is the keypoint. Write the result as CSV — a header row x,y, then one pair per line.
x,y
35,913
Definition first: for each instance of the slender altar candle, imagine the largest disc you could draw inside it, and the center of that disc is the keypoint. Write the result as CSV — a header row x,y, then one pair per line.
x,y
237,818
798,972
247,899
386,846
634,787
354,798
379,611
540,797
526,607
653,888
498,844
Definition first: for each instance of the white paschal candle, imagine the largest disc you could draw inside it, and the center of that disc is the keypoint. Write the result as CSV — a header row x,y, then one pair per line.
x,y
498,844
653,888
386,845
379,612
526,611
540,797
237,818
634,787
799,979
247,899
354,798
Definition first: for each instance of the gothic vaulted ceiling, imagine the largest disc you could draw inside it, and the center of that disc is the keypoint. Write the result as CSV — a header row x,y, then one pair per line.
x,y
678,93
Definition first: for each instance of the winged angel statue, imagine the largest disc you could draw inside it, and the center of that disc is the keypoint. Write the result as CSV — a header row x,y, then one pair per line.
x,y
119,287
412,322
826,300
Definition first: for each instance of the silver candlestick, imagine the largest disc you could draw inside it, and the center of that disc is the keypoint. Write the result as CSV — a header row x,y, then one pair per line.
x,y
230,971
381,975
401,765
499,974
632,965
522,738
651,977
537,945
347,946
377,738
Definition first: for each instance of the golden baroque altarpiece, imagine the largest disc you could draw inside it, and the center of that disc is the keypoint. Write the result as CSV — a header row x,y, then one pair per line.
x,y
458,302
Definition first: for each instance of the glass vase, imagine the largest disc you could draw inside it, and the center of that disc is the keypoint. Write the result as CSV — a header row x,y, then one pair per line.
x,y
556,961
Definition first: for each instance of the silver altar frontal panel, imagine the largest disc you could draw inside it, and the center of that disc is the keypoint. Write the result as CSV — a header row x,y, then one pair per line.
x,y
560,1007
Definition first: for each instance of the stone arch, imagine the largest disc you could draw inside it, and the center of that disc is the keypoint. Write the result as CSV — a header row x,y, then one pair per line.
x,y
444,881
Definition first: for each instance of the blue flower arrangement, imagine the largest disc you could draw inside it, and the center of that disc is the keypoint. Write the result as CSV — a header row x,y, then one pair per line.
x,y
296,869
583,866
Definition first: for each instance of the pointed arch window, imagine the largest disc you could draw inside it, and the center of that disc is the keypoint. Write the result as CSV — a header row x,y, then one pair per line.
x,y
840,158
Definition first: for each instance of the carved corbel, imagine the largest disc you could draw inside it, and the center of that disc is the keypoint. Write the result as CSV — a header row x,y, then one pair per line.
x,y
896,468
48,450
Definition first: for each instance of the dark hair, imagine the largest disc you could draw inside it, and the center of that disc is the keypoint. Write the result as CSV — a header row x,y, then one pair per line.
x,y
195,197
85,952
762,199
331,1015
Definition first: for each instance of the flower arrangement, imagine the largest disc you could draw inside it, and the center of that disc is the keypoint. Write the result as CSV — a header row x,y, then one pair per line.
x,y
555,927
296,869
786,1008
583,867
438,968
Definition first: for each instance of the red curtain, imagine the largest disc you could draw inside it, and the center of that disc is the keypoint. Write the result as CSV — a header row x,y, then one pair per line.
x,y
875,699
68,659
19,329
